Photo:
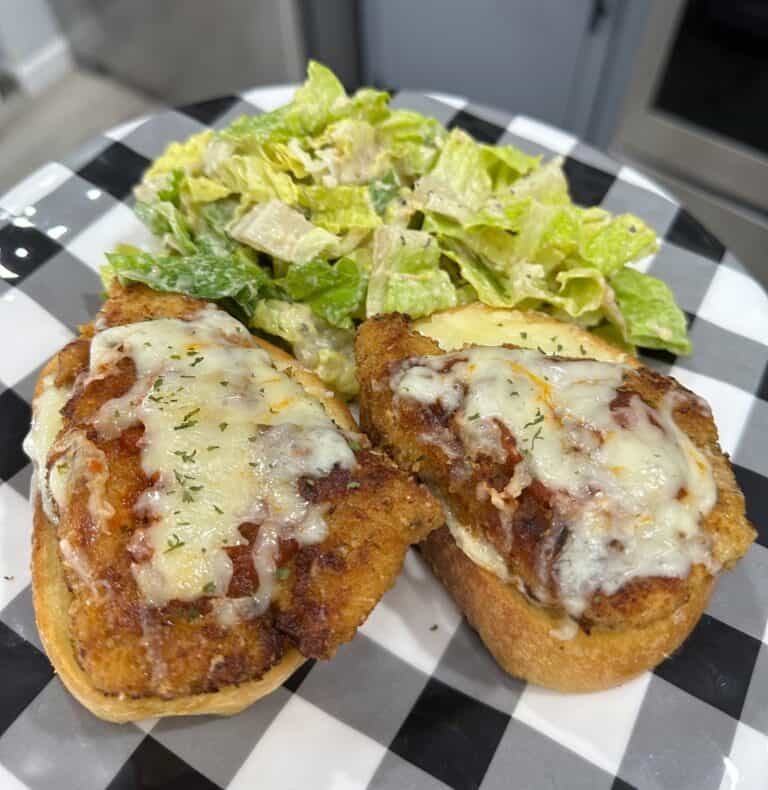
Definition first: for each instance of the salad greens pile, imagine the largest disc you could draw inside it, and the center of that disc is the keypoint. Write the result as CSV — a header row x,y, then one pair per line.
x,y
307,219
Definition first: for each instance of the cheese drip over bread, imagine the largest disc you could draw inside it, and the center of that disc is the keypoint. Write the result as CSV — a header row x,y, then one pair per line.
x,y
46,424
629,486
227,438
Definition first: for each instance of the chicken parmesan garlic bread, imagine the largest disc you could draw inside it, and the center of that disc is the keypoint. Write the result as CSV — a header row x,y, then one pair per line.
x,y
589,509
207,514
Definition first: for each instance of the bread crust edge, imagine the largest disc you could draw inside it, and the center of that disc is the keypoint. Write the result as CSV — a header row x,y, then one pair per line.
x,y
521,636
519,633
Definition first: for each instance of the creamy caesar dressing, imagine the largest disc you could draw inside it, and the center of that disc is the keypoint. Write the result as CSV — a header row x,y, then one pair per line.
x,y
46,424
227,437
630,486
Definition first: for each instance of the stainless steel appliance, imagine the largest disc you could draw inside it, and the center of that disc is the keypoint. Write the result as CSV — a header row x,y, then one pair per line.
x,y
695,115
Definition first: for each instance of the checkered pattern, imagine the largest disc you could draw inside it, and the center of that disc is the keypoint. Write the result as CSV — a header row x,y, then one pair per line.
x,y
414,700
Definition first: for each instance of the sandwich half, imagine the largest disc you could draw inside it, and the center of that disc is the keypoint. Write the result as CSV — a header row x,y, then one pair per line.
x,y
207,515
589,507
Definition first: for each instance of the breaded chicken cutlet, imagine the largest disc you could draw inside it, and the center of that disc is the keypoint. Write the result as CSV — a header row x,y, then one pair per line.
x,y
590,508
208,515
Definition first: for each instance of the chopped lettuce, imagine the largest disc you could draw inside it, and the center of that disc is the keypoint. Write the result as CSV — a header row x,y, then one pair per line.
x,y
412,140
210,234
339,209
335,207
505,164
350,152
547,184
310,111
329,352
235,277
383,190
406,274
334,292
609,244
319,102
255,179
579,292
206,190
485,281
187,156
486,260
651,317
459,183
168,222
282,232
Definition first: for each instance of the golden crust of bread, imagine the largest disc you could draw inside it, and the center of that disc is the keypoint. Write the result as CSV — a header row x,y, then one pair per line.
x,y
322,604
644,620
52,600
480,325
521,636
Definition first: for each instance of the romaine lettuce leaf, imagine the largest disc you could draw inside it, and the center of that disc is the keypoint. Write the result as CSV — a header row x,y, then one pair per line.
x,y
383,190
169,186
574,292
459,183
412,141
314,102
505,164
291,158
488,284
367,104
546,184
348,243
610,243
210,229
186,156
309,112
651,317
320,101
168,222
334,292
484,254
578,292
614,335
406,274
234,277
406,126
283,232
327,351
204,190
351,152
339,208
255,179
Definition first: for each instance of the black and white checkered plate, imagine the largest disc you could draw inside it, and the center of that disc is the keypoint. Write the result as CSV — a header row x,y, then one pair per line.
x,y
414,701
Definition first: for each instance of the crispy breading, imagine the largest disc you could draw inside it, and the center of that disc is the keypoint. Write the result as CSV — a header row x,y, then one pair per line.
x,y
127,647
385,341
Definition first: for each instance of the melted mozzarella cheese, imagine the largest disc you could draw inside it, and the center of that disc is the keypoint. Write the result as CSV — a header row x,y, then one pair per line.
x,y
77,461
227,437
483,553
46,424
631,487
480,550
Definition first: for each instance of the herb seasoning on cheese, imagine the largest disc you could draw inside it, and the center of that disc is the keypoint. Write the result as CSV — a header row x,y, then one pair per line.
x,y
628,483
227,438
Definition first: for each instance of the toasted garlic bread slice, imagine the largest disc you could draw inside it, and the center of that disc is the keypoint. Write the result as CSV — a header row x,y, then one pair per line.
x,y
589,507
208,515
